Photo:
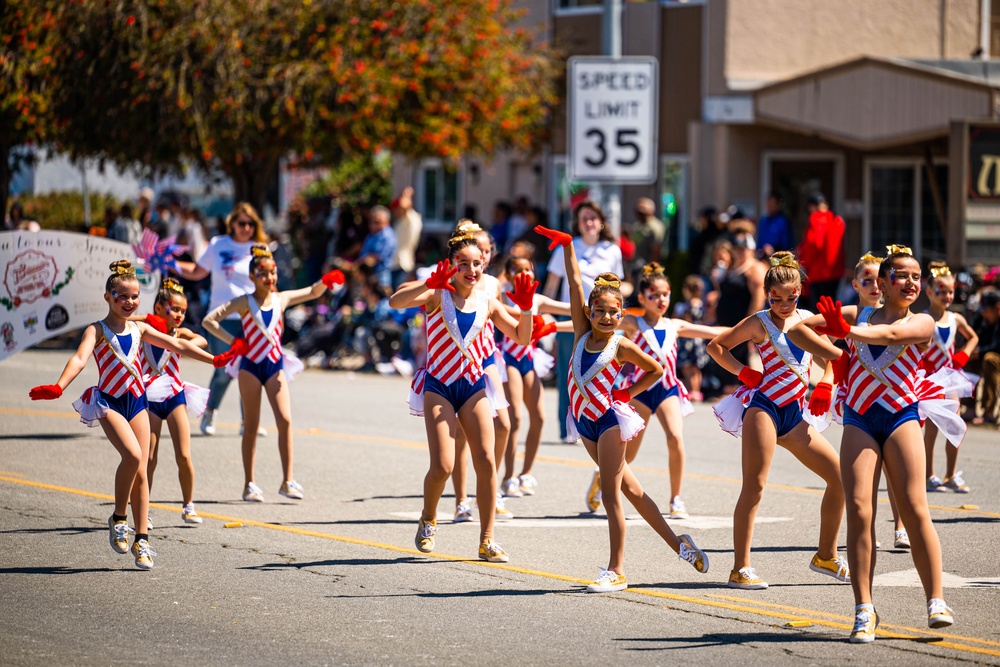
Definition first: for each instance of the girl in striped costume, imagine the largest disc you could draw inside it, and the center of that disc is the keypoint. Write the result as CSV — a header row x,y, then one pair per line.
x,y
261,315
524,385
941,354
492,364
170,398
885,403
602,415
118,402
656,335
767,409
454,386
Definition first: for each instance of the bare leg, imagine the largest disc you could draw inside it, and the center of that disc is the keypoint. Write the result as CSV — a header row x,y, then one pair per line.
x,y
647,509
860,466
440,421
759,441
633,445
250,388
460,470
906,464
131,441
501,423
930,435
669,413
279,397
155,427
180,435
609,454
477,422
536,419
815,453
515,395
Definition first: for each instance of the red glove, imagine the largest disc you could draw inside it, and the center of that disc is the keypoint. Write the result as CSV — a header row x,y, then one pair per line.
x,y
156,322
841,368
836,325
960,359
558,238
540,329
819,403
45,392
523,295
239,348
750,377
620,395
441,277
335,277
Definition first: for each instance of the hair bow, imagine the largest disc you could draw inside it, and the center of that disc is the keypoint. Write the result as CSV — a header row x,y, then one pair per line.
x,y
898,250
784,260
604,282
173,285
123,271
938,271
870,259
260,251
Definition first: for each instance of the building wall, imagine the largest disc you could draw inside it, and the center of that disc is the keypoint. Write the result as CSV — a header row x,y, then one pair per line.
x,y
767,40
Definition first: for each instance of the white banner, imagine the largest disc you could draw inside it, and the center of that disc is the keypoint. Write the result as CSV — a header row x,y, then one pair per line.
x,y
53,282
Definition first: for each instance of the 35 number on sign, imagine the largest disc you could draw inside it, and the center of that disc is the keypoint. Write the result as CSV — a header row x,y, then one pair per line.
x,y
623,141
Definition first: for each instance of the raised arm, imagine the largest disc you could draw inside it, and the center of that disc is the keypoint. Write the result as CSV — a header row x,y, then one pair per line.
x,y
296,296
519,328
424,292
212,321
572,270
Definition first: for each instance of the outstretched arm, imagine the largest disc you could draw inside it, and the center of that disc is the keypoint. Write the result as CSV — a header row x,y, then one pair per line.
x,y
178,345
297,296
73,367
687,329
212,321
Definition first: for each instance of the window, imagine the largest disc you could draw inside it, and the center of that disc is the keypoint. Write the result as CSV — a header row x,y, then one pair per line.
x,y
901,207
578,6
438,192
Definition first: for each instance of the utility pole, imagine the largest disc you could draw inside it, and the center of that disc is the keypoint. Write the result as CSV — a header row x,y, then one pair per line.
x,y
611,45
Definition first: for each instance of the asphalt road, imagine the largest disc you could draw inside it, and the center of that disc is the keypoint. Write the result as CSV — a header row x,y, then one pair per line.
x,y
335,578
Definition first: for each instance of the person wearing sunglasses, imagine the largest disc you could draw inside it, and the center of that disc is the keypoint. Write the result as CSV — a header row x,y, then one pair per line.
x,y
227,261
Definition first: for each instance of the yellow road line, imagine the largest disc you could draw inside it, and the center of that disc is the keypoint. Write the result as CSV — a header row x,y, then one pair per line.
x,y
722,602
577,463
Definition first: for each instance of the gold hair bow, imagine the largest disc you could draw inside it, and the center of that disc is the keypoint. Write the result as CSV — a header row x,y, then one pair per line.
x,y
898,250
784,260
123,271
604,282
939,271
652,270
258,251
173,285
464,236
870,259
467,226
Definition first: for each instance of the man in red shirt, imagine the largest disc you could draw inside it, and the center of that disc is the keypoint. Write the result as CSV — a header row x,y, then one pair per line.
x,y
822,251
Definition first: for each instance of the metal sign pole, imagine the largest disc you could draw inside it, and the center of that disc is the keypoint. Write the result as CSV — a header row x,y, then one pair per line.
x,y
611,44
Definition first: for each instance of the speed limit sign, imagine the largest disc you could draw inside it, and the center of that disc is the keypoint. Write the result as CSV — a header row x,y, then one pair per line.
x,y
613,110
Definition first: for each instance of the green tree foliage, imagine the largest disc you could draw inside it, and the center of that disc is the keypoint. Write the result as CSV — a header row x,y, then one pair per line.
x,y
27,57
238,84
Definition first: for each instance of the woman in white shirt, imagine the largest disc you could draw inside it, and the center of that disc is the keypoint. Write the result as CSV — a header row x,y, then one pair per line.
x,y
227,261
597,252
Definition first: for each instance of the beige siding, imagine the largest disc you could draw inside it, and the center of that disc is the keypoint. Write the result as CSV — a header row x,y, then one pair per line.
x,y
769,40
871,104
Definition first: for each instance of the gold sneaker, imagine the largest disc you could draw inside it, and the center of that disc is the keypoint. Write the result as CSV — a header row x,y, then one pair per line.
x,y
608,582
425,536
501,513
492,552
939,615
143,555
594,491
692,554
835,567
118,535
865,623
747,579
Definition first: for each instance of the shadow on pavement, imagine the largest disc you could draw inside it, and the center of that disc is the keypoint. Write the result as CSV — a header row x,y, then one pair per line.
x,y
725,639
56,570
271,567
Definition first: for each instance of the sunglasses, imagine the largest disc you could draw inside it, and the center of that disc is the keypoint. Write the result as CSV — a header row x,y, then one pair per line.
x,y
244,223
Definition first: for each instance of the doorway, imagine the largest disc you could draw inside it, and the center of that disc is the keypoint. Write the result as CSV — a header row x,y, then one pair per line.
x,y
797,176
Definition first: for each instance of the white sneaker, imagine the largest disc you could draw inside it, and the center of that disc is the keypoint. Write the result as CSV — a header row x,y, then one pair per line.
x,y
208,422
934,483
463,512
528,485
292,490
939,615
385,368
512,488
678,510
901,539
502,513
608,581
189,515
149,524
253,494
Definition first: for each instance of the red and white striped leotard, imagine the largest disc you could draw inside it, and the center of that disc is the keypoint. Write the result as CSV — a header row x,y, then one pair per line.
x,y
939,354
590,388
264,340
450,355
786,379
167,365
890,380
666,354
120,372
